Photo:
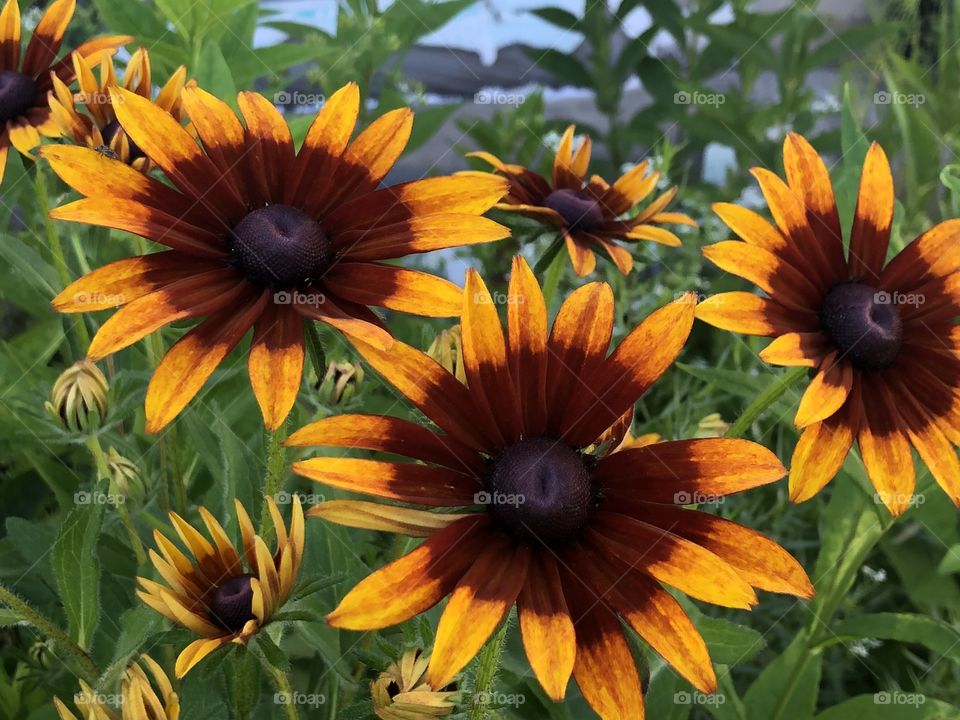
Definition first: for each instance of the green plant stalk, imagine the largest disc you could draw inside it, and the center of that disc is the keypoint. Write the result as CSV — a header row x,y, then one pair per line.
x,y
764,400
487,668
315,349
282,683
103,472
551,279
272,483
42,623
56,251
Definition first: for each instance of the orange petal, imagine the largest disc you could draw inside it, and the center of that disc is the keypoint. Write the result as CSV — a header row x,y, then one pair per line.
x,y
418,235
629,189
578,343
10,36
527,346
199,294
936,253
796,350
407,482
582,257
874,216
396,288
188,364
604,666
620,256
757,559
482,598
827,391
437,393
221,132
670,559
563,174
270,151
750,314
485,359
382,433
688,471
770,273
275,362
383,518
318,306
416,582
546,626
47,37
820,452
25,138
653,234
637,362
195,652
885,449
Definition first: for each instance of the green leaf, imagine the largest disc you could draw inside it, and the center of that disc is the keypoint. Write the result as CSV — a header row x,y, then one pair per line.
x,y
76,567
269,653
787,688
729,643
214,75
891,706
933,634
556,16
565,68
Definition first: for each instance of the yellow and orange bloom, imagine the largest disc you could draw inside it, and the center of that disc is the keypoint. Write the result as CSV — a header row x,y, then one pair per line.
x,y
402,693
25,82
98,127
223,595
879,336
590,215
262,237
578,540
139,699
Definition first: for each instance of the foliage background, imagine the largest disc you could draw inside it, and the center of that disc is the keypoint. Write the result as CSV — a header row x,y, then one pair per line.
x,y
886,616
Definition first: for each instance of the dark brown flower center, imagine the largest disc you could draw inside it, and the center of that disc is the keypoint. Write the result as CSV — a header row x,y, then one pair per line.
x,y
864,325
539,490
280,246
18,93
580,210
110,132
232,604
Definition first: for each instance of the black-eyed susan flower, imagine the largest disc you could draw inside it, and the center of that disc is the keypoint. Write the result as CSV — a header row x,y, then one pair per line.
x,y
879,335
591,215
139,698
262,237
401,692
98,127
223,595
25,82
577,540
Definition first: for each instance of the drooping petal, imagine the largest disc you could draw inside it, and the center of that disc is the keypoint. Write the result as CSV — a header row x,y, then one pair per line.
x,y
581,256
326,309
417,581
480,601
195,652
275,362
885,449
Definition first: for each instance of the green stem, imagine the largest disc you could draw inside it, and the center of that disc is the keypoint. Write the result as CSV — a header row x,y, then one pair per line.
x,y
764,400
551,279
489,664
272,483
282,683
103,471
315,349
46,627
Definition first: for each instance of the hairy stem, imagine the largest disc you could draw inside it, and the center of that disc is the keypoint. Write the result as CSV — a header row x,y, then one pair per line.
x,y
489,665
764,400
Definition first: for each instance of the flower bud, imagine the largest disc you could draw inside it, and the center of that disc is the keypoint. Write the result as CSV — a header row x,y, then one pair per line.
x,y
447,350
712,426
341,383
124,475
79,397
402,692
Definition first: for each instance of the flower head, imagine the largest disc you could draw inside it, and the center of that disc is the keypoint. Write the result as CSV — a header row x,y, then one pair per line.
x,y
576,539
590,214
223,595
98,127
262,236
403,693
139,697
879,336
79,397
26,81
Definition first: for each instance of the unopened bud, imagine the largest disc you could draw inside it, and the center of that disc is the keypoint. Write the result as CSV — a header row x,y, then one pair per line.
x,y
79,397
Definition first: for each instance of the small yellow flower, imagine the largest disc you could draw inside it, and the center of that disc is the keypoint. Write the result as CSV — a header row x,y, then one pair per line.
x,y
79,397
447,350
403,693
99,128
219,596
139,699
